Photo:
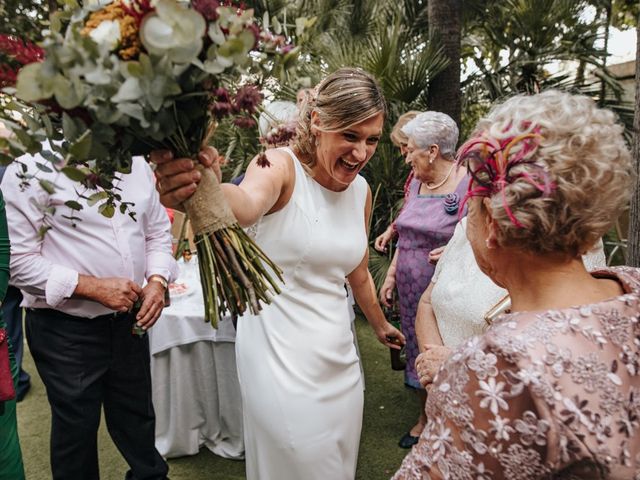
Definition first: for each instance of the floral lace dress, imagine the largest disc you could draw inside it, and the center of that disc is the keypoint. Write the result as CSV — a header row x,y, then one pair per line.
x,y
553,394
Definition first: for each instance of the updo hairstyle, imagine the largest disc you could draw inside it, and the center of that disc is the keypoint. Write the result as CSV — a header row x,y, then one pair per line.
x,y
583,151
398,137
344,98
434,128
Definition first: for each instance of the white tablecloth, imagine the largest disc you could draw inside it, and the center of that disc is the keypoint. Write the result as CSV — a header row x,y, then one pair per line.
x,y
196,394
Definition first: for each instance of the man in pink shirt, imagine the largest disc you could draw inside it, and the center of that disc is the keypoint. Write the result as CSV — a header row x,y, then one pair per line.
x,y
80,283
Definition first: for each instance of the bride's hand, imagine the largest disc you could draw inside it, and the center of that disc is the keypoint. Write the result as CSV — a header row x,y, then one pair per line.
x,y
177,179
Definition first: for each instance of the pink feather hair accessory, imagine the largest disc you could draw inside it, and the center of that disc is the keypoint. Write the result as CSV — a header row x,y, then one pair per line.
x,y
492,166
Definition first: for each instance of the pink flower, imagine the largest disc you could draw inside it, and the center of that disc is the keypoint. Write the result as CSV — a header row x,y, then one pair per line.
x,y
19,50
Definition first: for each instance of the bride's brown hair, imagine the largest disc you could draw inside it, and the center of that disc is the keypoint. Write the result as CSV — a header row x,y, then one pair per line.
x,y
346,97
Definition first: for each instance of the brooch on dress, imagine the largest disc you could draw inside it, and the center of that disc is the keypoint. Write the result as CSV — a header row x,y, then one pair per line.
x,y
451,203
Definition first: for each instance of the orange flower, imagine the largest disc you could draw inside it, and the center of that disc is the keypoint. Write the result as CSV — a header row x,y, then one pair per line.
x,y
129,45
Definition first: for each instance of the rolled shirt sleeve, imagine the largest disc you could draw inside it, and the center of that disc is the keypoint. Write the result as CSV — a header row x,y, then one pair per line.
x,y
159,255
30,271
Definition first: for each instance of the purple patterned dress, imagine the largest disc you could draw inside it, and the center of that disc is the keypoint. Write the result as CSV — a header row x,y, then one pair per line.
x,y
426,222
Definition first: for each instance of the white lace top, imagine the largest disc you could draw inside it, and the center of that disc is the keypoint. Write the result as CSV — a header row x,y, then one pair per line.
x,y
462,294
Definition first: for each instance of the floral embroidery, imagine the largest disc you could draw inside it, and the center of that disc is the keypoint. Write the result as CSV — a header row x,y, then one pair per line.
x,y
574,372
588,371
531,429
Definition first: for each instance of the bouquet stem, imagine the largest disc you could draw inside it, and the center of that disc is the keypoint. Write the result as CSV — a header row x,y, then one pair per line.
x,y
235,273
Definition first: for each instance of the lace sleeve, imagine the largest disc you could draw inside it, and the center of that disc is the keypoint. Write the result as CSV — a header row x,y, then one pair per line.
x,y
482,424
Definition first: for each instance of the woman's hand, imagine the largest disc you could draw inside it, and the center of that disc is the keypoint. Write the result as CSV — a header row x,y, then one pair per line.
x,y
428,363
435,254
390,336
382,240
386,291
177,179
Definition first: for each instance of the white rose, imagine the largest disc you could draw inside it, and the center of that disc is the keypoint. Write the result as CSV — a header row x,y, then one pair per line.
x,y
107,34
94,5
174,31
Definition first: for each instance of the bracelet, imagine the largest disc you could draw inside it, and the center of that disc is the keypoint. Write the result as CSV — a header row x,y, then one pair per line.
x,y
160,279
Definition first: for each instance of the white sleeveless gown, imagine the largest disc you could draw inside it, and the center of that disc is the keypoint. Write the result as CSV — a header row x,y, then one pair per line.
x,y
299,372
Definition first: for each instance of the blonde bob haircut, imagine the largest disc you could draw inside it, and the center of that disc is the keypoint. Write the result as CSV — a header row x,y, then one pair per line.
x,y
583,151
344,98
398,137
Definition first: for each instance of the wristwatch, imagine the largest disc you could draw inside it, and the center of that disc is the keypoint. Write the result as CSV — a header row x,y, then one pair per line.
x,y
160,279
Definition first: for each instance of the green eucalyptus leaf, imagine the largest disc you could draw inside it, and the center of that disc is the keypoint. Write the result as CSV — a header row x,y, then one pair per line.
x,y
107,209
47,186
74,174
28,87
80,149
96,197
41,166
72,204
69,127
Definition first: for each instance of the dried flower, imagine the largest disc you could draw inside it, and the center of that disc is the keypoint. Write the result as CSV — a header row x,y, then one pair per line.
x,y
222,95
244,122
247,99
262,160
221,109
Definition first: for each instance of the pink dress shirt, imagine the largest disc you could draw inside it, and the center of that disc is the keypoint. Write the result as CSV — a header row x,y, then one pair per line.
x,y
46,269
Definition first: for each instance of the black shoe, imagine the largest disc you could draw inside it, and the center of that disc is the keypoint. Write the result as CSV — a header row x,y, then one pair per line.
x,y
21,393
408,440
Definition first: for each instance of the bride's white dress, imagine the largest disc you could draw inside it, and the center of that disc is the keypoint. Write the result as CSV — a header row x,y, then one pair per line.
x,y
299,372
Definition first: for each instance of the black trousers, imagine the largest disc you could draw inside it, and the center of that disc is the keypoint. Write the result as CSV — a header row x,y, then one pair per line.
x,y
86,364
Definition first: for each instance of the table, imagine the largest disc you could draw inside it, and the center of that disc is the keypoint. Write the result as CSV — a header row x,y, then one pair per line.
x,y
196,393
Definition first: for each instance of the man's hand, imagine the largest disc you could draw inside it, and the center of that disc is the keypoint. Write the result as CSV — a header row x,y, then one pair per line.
x,y
152,305
382,240
116,293
428,363
177,179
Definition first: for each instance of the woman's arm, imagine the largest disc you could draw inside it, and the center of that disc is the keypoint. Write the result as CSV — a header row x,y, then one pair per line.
x,y
364,293
430,344
427,331
263,189
389,284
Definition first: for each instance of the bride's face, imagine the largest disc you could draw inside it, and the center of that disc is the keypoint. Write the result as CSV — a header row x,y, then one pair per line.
x,y
342,155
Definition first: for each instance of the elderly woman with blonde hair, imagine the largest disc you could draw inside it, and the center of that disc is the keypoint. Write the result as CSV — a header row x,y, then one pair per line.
x,y
425,223
299,372
552,389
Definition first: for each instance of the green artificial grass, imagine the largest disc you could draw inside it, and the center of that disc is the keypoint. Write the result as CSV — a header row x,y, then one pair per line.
x,y
390,410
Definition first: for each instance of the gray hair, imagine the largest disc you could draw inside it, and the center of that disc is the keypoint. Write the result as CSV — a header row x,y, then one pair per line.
x,y
433,128
275,114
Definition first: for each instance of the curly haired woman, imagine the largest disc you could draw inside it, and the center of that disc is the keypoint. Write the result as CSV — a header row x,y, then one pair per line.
x,y
552,390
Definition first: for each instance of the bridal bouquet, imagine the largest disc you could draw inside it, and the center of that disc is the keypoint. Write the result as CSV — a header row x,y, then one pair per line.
x,y
125,77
